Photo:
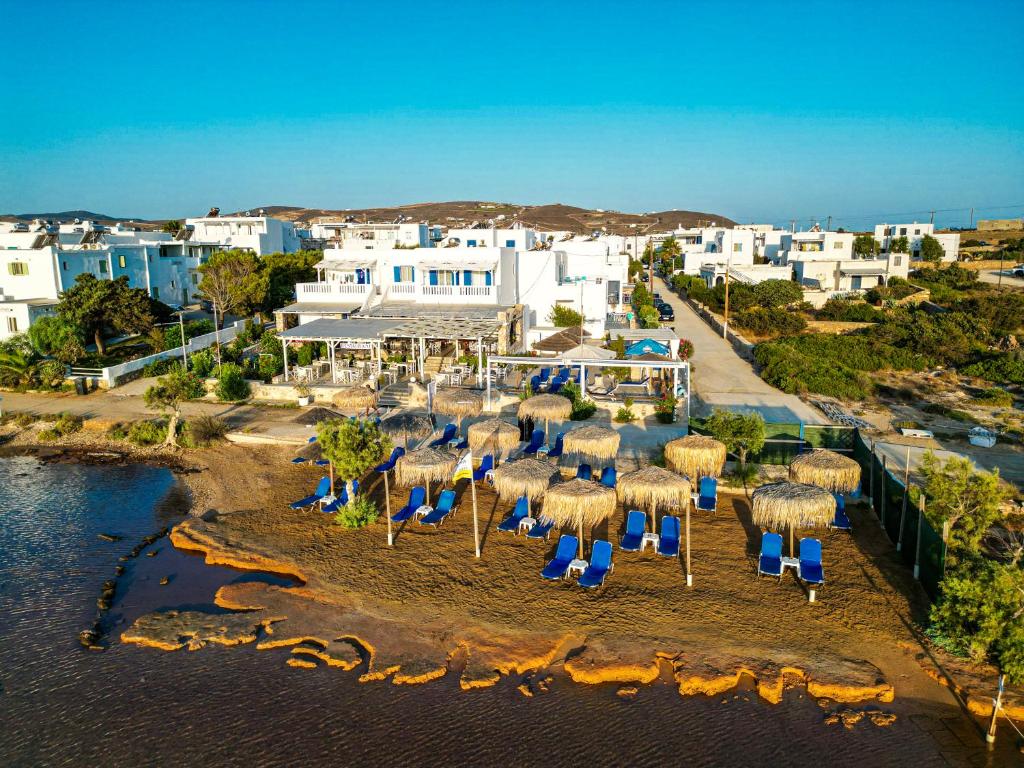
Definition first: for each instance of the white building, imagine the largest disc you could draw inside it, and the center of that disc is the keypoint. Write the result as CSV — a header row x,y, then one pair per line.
x,y
344,234
885,234
259,234
519,238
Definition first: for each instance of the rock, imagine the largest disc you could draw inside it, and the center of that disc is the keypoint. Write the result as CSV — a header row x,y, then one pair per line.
x,y
832,719
524,688
124,558
165,581
88,637
850,718
154,553
825,703
118,570
300,663
103,603
882,719
109,537
627,692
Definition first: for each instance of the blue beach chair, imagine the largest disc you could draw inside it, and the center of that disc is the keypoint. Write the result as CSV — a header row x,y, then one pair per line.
x,y
545,374
810,569
441,511
770,561
556,452
707,497
299,460
584,472
555,386
535,383
486,465
541,529
564,554
636,524
511,523
841,522
668,542
388,465
322,489
417,496
608,477
446,436
536,441
600,565
312,439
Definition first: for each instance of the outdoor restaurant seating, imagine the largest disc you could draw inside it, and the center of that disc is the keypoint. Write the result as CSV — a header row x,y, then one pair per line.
x,y
636,524
388,465
608,477
417,497
770,561
668,542
446,437
511,523
706,499
599,567
441,511
556,452
841,522
584,472
486,465
536,441
322,489
810,569
564,555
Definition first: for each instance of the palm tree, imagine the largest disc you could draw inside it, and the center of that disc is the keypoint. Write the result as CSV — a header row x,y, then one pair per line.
x,y
18,367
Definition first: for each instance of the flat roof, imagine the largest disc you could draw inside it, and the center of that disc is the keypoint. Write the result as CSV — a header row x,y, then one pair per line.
x,y
863,270
327,328
379,329
639,334
319,308
414,310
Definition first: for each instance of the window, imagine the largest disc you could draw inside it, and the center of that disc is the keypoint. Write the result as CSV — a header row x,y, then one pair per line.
x,y
917,231
17,268
156,292
903,231
837,244
510,243
195,279
64,265
12,325
404,274
897,260
121,261
102,267
471,243
737,247
173,286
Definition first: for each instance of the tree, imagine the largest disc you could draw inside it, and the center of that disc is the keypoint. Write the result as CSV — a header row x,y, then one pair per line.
x,y
931,249
352,447
669,251
648,317
283,271
865,245
777,293
94,305
642,297
962,499
900,245
741,433
234,282
564,317
168,394
58,338
171,225
18,368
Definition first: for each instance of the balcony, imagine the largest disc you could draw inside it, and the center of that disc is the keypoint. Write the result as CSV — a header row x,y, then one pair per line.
x,y
340,292
470,294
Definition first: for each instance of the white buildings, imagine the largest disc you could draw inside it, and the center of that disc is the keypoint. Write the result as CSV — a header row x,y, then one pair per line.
x,y
343,234
519,238
885,234
259,234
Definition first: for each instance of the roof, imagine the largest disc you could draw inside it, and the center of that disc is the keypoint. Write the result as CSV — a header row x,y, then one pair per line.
x,y
33,302
864,269
647,346
330,328
589,352
319,308
347,262
436,311
562,341
661,334
378,329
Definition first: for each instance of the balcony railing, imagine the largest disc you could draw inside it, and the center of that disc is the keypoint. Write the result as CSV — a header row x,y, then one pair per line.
x,y
456,291
329,291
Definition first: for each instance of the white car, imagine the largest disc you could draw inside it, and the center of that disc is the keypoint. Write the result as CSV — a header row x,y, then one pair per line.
x,y
1018,271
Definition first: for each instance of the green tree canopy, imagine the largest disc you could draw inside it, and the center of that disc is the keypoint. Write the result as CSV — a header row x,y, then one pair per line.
x,y
670,248
648,316
865,245
283,271
741,433
931,249
58,338
95,305
900,245
234,281
777,293
352,447
562,316
964,499
172,226
168,394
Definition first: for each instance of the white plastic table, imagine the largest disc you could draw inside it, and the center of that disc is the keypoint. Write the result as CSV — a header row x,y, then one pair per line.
x,y
790,562
576,567
423,511
544,450
649,538
526,524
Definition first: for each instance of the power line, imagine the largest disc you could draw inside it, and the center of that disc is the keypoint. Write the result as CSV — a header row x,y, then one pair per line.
x,y
972,211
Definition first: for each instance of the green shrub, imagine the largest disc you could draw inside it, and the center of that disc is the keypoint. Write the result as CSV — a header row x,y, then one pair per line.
x,y
770,322
49,435
562,316
160,367
774,293
203,430
118,431
997,367
358,514
625,414
202,363
994,396
798,371
582,408
665,409
847,311
68,423
231,384
25,419
143,433
304,355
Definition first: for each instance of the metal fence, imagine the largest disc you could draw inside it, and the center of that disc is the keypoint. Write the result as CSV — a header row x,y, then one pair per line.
x,y
785,440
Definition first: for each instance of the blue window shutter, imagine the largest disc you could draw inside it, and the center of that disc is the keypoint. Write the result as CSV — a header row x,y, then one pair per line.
x,y
398,274
412,274
510,243
471,243
359,277
488,278
467,277
433,277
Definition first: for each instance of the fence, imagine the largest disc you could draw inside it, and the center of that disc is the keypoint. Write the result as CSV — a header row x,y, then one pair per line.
x,y
897,506
784,440
117,374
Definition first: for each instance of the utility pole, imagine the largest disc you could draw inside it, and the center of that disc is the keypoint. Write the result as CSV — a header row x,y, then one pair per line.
x,y
972,219
828,226
725,325
650,266
184,341
931,217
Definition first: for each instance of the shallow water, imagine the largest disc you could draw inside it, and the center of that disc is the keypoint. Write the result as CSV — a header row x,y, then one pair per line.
x,y
63,705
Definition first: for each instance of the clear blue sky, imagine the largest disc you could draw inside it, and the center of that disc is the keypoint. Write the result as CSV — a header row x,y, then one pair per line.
x,y
757,110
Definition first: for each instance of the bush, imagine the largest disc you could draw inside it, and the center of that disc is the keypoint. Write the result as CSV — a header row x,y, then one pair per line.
x,y
357,514
994,396
665,409
685,349
997,367
25,419
118,431
846,311
202,363
68,423
776,293
203,430
770,323
794,371
160,367
582,408
625,414
49,435
562,316
231,384
304,355
144,433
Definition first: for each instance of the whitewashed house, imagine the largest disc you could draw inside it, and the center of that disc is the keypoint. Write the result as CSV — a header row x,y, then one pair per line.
x,y
259,234
351,235
885,234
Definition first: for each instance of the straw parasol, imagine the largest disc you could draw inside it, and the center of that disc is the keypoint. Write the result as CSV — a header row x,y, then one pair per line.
x,y
354,398
578,503
459,403
592,442
418,394
654,487
792,505
499,435
696,456
546,407
407,424
826,469
527,477
425,465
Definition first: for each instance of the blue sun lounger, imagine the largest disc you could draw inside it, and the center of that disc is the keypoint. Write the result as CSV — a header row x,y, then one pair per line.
x,y
446,436
417,496
322,462
312,439
608,477
555,386
599,567
441,511
584,472
486,465
770,561
536,441
511,523
556,452
810,569
668,542
636,523
541,529
545,374
322,489
707,498
535,384
341,500
564,554
299,460
841,522
388,465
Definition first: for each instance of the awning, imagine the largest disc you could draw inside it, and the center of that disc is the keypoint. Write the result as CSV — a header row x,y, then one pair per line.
x,y
318,308
473,265
588,352
355,262
647,346
863,270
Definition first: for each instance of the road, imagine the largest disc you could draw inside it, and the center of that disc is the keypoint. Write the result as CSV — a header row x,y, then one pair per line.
x,y
992,276
722,378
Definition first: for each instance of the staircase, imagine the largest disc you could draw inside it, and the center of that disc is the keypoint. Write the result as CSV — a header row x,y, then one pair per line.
x,y
394,395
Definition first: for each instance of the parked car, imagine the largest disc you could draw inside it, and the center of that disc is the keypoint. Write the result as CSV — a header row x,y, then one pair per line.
x,y
657,297
1018,271
665,313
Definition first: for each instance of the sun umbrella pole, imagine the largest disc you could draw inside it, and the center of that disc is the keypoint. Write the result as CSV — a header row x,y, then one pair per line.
x,y
387,508
331,465
581,539
476,525
790,539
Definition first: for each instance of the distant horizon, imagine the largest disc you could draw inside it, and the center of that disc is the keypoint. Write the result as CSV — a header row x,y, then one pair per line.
x,y
757,111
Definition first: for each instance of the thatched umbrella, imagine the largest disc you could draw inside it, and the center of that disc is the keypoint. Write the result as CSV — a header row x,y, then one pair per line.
x,y
826,469
792,505
546,407
592,443
425,465
357,397
407,424
579,503
459,403
418,394
696,456
654,487
499,435
527,477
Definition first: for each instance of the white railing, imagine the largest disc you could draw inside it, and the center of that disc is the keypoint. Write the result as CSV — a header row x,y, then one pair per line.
x,y
485,291
321,291
439,290
402,289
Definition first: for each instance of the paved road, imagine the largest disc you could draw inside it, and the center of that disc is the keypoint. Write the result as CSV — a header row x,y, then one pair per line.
x,y
992,276
723,378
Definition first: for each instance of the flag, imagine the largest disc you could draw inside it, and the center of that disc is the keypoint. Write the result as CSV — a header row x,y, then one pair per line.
x,y
464,469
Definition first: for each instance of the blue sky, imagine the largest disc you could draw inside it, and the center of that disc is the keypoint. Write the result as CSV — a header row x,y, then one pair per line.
x,y
759,110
